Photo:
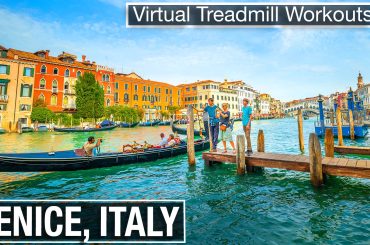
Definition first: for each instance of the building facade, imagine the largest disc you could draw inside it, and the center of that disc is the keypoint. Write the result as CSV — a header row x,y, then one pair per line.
x,y
152,96
106,77
244,91
16,91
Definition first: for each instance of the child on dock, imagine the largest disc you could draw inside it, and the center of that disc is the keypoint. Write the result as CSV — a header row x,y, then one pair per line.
x,y
225,127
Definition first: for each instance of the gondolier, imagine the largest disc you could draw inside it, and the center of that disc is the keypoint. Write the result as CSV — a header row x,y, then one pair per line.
x,y
90,145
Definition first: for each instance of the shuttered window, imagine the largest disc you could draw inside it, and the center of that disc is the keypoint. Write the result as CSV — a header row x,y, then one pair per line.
x,y
4,69
28,72
26,90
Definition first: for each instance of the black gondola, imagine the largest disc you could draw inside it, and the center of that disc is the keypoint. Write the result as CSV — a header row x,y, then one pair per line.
x,y
70,161
183,131
128,125
70,130
149,124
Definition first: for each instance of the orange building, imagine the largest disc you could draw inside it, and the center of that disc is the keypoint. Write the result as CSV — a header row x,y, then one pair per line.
x,y
55,77
105,76
152,96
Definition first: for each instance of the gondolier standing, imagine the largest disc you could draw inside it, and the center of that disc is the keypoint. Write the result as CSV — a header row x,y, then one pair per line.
x,y
247,116
90,145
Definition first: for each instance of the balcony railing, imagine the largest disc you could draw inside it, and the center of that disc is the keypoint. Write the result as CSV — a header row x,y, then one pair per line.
x,y
55,90
68,91
4,98
69,106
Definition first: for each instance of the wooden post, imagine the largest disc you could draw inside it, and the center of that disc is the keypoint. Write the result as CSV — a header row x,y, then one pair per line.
x,y
240,154
300,130
351,125
329,143
210,136
339,127
261,141
190,135
317,178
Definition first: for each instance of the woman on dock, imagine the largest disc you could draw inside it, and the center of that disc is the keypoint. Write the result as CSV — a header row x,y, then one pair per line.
x,y
225,127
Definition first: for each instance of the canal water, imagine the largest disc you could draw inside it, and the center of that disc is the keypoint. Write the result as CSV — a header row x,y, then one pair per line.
x,y
273,207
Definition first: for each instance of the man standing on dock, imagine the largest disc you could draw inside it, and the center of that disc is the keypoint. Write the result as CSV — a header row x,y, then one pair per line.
x,y
247,117
214,127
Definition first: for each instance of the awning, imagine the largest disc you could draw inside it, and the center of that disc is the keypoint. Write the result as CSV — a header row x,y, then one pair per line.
x,y
4,80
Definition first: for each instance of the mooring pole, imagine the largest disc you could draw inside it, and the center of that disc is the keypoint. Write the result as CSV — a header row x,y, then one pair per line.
x,y
300,130
317,178
351,125
339,127
261,141
190,135
240,154
329,143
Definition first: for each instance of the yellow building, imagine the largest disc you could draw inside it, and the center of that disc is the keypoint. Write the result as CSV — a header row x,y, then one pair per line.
x,y
198,93
16,84
152,96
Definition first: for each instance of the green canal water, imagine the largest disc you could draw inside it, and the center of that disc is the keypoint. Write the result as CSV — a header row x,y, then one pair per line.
x,y
272,207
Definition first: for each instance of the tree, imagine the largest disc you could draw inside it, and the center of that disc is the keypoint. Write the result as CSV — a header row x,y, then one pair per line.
x,y
89,97
173,109
39,103
164,114
42,115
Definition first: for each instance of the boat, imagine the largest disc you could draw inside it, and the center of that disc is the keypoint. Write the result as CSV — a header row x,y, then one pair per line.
x,y
179,130
80,129
360,131
42,128
149,124
237,120
2,131
128,125
71,161
306,117
164,123
27,130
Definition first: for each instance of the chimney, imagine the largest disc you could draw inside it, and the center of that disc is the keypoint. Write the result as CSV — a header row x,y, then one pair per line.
x,y
83,58
94,62
47,53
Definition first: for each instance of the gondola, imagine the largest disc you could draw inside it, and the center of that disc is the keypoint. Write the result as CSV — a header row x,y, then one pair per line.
x,y
70,130
166,123
128,125
183,131
42,129
2,131
27,130
149,124
237,120
70,161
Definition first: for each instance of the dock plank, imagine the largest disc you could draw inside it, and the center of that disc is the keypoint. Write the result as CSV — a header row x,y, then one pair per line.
x,y
352,150
361,164
342,162
352,162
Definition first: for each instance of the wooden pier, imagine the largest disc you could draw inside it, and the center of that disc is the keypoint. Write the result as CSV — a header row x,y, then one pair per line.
x,y
315,164
352,150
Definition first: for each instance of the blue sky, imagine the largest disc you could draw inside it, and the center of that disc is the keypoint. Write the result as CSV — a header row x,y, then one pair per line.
x,y
287,63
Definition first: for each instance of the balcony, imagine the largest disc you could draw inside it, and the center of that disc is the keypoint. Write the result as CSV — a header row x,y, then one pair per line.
x,y
70,106
69,92
55,90
4,98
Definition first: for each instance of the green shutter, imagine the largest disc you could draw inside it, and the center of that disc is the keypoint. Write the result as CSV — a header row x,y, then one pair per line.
x,y
21,90
30,92
32,71
24,71
8,69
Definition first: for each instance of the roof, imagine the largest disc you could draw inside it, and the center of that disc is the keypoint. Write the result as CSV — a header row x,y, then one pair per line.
x,y
131,75
125,78
49,59
2,48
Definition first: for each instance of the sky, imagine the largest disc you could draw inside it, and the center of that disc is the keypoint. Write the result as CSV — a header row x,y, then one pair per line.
x,y
288,63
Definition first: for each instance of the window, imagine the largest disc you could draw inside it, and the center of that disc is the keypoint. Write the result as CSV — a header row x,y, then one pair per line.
x,y
107,80
144,88
65,100
53,100
66,87
25,107
159,90
187,89
55,71
148,89
42,98
166,91
125,97
116,85
136,97
144,97
126,86
135,87
26,90
28,72
4,69
78,74
155,90
66,73
43,69
108,90
3,88
42,83
115,97
55,86
108,102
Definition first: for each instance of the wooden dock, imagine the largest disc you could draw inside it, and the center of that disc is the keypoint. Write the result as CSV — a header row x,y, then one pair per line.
x,y
331,166
352,150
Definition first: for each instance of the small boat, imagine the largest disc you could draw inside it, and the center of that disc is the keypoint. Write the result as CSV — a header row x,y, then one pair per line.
x,y
70,130
183,131
27,130
42,128
149,124
71,161
164,123
237,120
2,131
306,117
360,131
128,125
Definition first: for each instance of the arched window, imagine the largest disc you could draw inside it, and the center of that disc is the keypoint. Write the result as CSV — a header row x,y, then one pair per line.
x,y
53,100
144,97
125,97
55,86
42,97
108,102
78,74
136,97
55,71
42,83
108,90
66,73
107,78
65,100
43,69
66,87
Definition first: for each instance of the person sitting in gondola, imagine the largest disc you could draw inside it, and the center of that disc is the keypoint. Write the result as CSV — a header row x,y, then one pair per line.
x,y
163,141
90,145
171,142
177,139
147,145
